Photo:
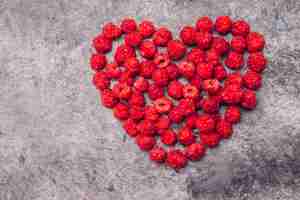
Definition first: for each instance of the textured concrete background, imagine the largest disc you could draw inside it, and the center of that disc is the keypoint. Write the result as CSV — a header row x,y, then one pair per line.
x,y
58,143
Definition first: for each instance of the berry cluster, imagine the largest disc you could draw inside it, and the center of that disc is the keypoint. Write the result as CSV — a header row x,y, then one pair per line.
x,y
168,92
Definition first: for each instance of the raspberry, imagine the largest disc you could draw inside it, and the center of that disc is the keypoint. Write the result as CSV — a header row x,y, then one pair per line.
x,y
136,112
234,60
187,106
176,159
210,105
224,128
185,136
146,128
175,89
190,91
213,57
186,69
234,79
205,70
240,28
211,86
196,56
146,143
205,123
146,28
155,92
130,127
211,139
147,67
123,52
257,62
133,39
113,70
108,99
162,60
168,137
151,113
128,25
187,35
162,36
223,24
102,44
232,114
176,49
97,62
220,72
204,24
111,31
137,99
203,40
195,151
122,91
126,77
141,84
176,115
132,65
190,121
232,94
101,81
158,154
248,100
163,105
121,111
160,77
173,71
220,45
197,82
162,123
252,80
148,49
255,42
238,44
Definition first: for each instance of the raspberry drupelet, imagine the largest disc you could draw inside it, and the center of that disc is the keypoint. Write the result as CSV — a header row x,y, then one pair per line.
x,y
146,28
176,159
162,36
157,154
168,137
128,25
97,62
232,114
252,80
223,24
146,143
176,49
257,62
102,44
185,136
240,28
204,24
111,31
147,49
195,151
187,35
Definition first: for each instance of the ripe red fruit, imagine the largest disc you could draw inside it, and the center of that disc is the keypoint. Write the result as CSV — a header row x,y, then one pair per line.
x,y
213,57
162,123
234,79
238,44
151,113
147,67
162,60
190,91
97,61
133,39
232,94
210,104
173,71
190,121
111,31
102,44
211,139
147,49
220,45
176,49
187,35
130,127
224,128
101,81
248,100
204,24
157,154
146,29
113,71
252,80
163,105
155,92
136,112
255,42
257,62
162,36
160,77
132,65
187,106
175,89
123,52
176,159
122,91
211,86
234,60
146,143
168,137
195,151
128,25
220,72
205,70
197,82
108,99
141,84
196,56
137,99
187,69
121,111
185,136
240,28
126,77
176,115
146,127
205,123
203,40
223,24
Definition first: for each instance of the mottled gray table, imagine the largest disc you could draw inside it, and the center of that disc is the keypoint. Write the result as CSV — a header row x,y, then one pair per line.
x,y
57,142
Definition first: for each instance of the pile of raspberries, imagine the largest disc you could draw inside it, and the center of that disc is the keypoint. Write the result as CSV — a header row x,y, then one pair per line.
x,y
168,92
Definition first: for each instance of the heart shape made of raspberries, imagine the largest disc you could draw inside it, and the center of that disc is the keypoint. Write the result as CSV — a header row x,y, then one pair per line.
x,y
168,93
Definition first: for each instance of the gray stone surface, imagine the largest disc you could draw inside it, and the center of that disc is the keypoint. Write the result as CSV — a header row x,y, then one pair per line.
x,y
58,143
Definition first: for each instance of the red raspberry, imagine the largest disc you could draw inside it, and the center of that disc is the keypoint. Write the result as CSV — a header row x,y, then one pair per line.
x,y
190,91
211,86
187,35
160,77
220,45
220,72
195,151
162,36
240,28
196,56
204,24
238,44
108,99
133,39
111,31
187,106
213,57
102,44
146,143
190,121
234,79
151,113
257,62
210,105
223,24
211,139
101,81
168,137
132,65
175,89
163,105
232,114
146,127
113,70
186,69
126,77
97,62
205,123
162,123
146,28
155,92
252,80
185,136
136,112
197,82
232,94
121,111
122,91
176,115
128,25
205,70
147,67
162,60
137,99
248,100
203,40
176,159
148,49
234,60
255,42
158,154
141,84
176,49
123,52
224,128
173,71
130,127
